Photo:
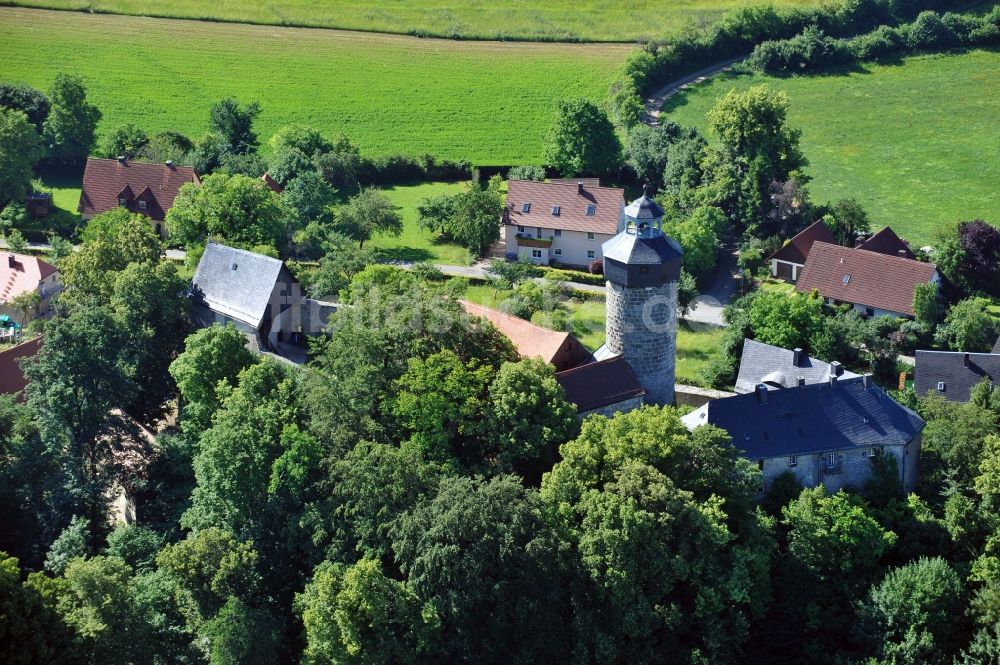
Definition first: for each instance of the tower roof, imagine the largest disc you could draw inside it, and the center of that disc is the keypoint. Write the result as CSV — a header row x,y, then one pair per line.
x,y
644,208
633,249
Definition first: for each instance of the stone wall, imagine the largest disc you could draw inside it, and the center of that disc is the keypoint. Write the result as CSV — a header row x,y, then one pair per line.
x,y
852,467
695,396
641,325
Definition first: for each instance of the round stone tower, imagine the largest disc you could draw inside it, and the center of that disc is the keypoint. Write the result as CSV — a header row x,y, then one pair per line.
x,y
642,267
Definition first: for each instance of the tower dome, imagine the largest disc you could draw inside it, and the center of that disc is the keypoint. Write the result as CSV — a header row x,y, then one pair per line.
x,y
642,266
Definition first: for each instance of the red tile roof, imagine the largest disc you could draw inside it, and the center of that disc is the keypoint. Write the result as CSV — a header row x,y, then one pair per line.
x,y
887,242
157,184
573,201
797,249
594,385
272,184
558,348
11,377
20,273
862,277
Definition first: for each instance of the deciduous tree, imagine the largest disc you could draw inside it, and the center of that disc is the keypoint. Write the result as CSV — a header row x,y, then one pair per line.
x,y
367,214
21,149
582,140
70,128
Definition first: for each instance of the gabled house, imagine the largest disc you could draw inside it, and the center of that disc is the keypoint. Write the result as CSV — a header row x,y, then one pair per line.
x,y
606,387
875,284
775,367
559,349
257,294
560,221
788,261
953,374
23,273
823,433
146,189
887,242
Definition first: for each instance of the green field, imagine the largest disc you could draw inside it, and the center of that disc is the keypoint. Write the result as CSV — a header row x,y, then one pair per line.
x,y
416,244
488,102
552,20
916,143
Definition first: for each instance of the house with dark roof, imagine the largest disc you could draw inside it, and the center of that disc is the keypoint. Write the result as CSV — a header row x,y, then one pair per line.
x,y
875,284
823,433
788,261
23,273
257,294
887,242
146,189
953,374
606,387
776,368
558,348
560,221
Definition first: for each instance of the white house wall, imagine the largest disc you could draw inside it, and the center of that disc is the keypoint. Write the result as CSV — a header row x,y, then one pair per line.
x,y
573,245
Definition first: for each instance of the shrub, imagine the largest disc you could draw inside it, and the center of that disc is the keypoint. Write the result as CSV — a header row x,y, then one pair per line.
x,y
881,42
809,50
526,173
929,32
396,169
596,267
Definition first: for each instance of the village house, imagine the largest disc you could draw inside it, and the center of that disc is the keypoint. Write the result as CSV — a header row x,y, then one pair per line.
x,y
22,273
12,380
887,242
564,222
787,262
146,189
953,374
258,295
775,367
823,433
875,284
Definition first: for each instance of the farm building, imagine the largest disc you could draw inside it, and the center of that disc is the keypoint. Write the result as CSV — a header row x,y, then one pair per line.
x,y
953,374
887,242
787,262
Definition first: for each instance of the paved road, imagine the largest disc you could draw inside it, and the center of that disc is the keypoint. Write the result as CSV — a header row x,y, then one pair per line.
x,y
720,292
655,102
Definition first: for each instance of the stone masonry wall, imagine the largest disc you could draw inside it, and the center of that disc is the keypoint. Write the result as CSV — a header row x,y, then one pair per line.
x,y
641,325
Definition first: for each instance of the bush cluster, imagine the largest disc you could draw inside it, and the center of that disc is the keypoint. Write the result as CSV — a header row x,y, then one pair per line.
x,y
396,169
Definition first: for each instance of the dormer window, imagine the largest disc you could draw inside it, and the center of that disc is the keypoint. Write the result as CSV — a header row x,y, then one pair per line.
x,y
555,211
591,210
122,201
143,205
526,207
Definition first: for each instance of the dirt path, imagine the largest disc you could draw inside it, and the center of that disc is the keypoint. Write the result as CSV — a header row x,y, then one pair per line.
x,y
655,102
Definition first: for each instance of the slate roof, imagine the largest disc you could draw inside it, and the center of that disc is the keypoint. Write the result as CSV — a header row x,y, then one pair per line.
x,y
996,346
572,199
21,273
887,242
815,418
158,184
797,249
872,279
11,377
633,249
643,208
957,370
598,384
235,282
764,363
531,341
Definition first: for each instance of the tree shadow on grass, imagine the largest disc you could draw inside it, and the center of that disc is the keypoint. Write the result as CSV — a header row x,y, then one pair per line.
x,y
407,254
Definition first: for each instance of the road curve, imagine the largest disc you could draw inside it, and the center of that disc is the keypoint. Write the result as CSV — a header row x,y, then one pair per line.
x,y
655,102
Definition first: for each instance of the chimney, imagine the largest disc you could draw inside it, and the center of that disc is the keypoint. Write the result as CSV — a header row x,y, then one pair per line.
x,y
901,253
579,187
796,357
836,369
801,381
762,393
170,163
121,159
965,359
866,381
11,260
833,380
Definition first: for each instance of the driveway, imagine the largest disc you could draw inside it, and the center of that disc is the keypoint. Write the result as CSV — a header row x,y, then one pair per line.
x,y
655,102
720,292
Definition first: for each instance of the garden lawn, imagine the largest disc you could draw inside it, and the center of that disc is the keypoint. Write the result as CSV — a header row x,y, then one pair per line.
x,y
915,143
488,102
552,20
416,244
697,343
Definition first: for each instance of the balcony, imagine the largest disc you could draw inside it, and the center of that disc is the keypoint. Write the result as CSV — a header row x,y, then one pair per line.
x,y
525,240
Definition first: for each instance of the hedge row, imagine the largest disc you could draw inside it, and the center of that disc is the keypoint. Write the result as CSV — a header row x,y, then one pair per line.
x,y
398,169
930,32
740,31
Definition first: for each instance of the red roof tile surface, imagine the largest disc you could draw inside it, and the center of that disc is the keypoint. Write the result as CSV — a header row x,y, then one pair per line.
x,y
157,184
272,184
862,277
573,201
797,249
21,273
887,242
11,377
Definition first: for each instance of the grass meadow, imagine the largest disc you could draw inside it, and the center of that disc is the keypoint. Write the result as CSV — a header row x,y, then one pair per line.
x,y
552,20
915,142
416,244
488,102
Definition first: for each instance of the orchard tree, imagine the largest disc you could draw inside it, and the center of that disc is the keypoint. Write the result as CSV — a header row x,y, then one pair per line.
x,y
342,261
469,217
367,214
582,140
788,321
20,149
71,126
235,125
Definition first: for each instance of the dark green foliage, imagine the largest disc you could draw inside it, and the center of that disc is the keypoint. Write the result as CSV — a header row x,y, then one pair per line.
x,y
235,125
30,101
582,140
135,545
468,217
241,634
526,173
780,491
287,164
127,141
70,128
22,149
809,50
367,214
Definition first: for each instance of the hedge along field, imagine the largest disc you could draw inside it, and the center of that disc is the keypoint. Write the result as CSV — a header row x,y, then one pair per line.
x,y
550,20
488,102
916,143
